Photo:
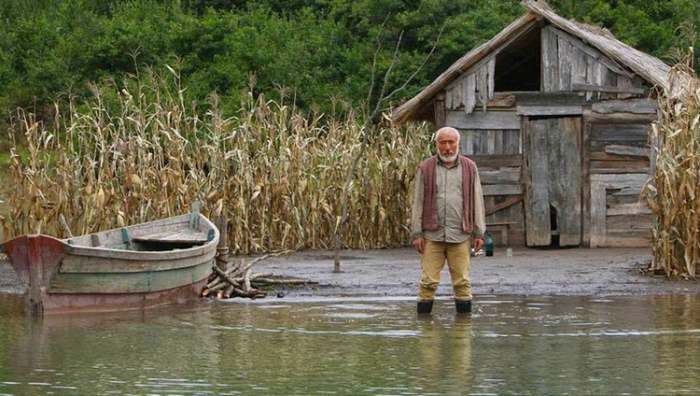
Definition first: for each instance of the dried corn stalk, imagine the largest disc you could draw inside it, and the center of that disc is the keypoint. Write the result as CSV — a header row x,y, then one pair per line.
x,y
135,153
674,195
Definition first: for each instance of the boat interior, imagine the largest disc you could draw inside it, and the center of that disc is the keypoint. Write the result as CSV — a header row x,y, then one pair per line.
x,y
181,232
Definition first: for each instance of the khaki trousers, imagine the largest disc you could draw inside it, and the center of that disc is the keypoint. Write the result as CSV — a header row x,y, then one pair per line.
x,y
432,262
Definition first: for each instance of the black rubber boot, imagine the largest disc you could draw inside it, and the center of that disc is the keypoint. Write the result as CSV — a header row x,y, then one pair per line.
x,y
425,306
463,306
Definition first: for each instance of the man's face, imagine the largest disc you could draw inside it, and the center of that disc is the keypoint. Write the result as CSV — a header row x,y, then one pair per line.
x,y
447,144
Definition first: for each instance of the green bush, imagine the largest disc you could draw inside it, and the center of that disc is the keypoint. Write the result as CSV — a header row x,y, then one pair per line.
x,y
319,52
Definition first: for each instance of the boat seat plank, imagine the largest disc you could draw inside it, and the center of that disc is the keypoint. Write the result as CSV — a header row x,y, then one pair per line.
x,y
179,237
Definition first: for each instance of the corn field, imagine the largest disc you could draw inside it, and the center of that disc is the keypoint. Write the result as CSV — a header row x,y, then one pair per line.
x,y
674,195
135,152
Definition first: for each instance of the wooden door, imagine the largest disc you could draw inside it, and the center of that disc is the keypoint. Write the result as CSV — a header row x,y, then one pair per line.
x,y
552,180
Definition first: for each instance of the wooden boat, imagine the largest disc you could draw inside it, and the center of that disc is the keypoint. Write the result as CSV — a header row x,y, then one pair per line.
x,y
134,267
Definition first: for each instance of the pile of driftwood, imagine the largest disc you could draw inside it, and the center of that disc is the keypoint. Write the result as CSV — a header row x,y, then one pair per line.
x,y
227,281
239,281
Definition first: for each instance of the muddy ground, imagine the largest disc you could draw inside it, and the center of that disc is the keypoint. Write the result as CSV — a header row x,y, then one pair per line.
x,y
395,272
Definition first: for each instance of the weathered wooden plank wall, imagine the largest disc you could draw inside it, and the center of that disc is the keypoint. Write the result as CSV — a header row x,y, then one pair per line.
x,y
484,120
535,181
618,217
475,87
570,65
490,141
618,166
564,141
552,180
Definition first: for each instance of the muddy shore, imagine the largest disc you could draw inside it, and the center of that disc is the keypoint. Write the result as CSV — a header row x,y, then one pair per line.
x,y
395,272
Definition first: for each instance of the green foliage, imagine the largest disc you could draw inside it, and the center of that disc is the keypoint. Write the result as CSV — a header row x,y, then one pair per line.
x,y
659,27
320,52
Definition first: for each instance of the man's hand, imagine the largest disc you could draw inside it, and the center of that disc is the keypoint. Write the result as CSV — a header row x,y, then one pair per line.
x,y
419,243
478,243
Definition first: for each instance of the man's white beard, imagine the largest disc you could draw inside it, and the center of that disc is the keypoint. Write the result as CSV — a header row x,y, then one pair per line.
x,y
451,158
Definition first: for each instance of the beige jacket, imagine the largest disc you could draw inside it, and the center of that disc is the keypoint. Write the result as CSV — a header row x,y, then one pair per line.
x,y
449,205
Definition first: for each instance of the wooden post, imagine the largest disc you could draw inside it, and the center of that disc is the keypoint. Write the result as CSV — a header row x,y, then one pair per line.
x,y
439,110
586,183
222,248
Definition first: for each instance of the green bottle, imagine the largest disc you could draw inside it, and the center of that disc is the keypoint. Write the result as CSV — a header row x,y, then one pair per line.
x,y
488,244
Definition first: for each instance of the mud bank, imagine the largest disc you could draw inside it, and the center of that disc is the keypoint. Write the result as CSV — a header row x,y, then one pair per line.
x,y
396,272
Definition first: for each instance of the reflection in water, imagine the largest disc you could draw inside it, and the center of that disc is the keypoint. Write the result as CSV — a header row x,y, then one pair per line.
x,y
539,345
445,355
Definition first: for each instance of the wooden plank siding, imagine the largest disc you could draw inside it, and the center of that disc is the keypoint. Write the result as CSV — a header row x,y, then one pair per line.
x,y
570,65
474,87
612,146
482,142
512,213
613,224
484,120
619,166
535,180
634,106
552,180
439,110
550,61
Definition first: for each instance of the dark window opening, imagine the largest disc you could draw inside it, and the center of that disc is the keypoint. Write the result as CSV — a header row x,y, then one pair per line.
x,y
518,65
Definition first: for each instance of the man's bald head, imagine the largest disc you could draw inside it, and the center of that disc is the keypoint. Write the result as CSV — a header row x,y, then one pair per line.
x,y
447,142
447,131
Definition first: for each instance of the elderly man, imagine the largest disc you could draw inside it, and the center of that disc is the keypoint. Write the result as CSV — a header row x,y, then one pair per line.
x,y
448,214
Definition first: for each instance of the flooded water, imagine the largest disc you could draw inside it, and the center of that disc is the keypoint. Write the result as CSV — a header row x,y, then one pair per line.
x,y
509,345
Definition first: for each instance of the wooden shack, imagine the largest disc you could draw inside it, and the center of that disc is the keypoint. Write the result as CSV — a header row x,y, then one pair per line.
x,y
556,115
